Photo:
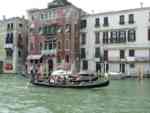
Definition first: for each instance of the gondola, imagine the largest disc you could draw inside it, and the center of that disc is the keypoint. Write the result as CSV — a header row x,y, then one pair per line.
x,y
92,84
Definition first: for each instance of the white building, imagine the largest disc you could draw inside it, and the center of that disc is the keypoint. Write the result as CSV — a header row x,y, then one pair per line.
x,y
118,39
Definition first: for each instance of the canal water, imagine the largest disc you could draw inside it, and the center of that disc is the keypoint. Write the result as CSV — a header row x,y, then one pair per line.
x,y
121,96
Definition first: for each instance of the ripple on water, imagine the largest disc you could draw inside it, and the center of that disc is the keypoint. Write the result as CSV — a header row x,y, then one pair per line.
x,y
127,96
37,109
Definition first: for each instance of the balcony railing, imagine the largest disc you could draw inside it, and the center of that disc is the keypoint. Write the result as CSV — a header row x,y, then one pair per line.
x,y
130,59
49,52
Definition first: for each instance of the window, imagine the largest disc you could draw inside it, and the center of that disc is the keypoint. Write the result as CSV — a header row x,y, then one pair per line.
x,y
106,67
131,19
85,64
131,53
12,25
105,21
67,58
20,25
83,38
122,54
98,66
113,37
8,26
83,55
149,34
122,68
122,37
97,22
97,52
9,53
105,38
9,38
97,39
50,44
19,53
131,35
83,24
59,45
105,55
122,20
54,44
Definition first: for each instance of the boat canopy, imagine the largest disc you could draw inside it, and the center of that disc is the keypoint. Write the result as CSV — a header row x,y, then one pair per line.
x,y
61,72
34,57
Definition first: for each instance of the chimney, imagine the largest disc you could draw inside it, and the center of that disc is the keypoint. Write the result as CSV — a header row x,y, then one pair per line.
x,y
141,4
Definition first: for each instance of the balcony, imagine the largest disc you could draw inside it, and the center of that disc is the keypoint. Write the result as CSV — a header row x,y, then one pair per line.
x,y
115,59
130,59
49,52
8,45
142,59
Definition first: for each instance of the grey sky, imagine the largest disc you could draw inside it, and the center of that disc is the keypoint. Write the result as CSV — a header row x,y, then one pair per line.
x,y
12,8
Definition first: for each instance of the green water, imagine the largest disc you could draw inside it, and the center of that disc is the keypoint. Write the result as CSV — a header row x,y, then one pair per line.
x,y
123,96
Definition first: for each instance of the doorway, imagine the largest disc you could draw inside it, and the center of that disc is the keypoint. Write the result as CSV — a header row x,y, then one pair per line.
x,y
50,66
122,68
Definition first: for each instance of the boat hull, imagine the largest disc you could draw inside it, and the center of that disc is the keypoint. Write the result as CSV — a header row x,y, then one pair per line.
x,y
81,85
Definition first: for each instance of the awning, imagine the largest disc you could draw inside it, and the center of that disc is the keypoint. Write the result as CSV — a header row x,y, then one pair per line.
x,y
34,57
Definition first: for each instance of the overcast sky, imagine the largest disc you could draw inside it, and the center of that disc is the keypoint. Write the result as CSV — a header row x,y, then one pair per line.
x,y
11,8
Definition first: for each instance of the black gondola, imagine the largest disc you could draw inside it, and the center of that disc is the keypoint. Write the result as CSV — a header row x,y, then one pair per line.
x,y
94,84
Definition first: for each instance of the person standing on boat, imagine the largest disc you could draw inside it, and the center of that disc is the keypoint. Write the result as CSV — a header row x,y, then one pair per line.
x,y
32,73
98,74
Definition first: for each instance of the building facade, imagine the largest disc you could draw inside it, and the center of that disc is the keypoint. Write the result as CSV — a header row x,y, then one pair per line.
x,y
13,34
2,49
54,38
116,41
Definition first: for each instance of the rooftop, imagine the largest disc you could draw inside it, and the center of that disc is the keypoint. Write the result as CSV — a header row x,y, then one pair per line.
x,y
120,11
